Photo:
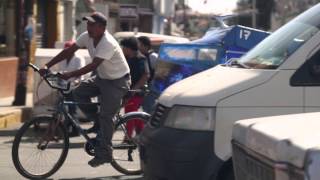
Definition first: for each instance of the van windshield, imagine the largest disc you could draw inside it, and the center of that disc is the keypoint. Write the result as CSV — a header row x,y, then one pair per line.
x,y
179,61
276,48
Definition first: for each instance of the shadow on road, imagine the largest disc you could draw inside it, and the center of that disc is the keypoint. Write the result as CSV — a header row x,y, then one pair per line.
x,y
12,133
6,132
109,178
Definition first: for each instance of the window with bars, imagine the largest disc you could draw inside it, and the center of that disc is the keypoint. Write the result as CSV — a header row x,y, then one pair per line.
x,y
7,28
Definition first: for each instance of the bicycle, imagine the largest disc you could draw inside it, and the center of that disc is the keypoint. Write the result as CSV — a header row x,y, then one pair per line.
x,y
47,133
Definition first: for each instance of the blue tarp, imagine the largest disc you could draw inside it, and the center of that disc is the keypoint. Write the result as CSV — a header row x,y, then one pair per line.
x,y
234,36
178,61
217,46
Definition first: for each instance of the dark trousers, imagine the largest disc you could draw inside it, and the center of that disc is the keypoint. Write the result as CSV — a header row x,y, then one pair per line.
x,y
110,94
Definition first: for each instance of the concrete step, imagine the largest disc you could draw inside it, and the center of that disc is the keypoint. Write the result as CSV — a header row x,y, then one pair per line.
x,y
12,115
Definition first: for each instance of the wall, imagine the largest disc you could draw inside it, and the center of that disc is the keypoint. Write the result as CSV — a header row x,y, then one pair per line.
x,y
8,69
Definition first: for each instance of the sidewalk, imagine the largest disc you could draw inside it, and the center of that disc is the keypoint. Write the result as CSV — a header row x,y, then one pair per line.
x,y
10,115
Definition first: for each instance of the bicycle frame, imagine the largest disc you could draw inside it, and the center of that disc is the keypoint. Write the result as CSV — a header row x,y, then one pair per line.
x,y
55,123
62,109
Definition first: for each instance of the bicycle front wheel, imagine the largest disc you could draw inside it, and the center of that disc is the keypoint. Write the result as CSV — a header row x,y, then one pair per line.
x,y
40,148
126,157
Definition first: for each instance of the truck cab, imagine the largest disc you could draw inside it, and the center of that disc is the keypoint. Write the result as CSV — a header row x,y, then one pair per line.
x,y
277,147
189,134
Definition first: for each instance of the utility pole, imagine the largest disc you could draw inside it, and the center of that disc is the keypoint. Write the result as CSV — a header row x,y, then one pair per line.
x,y
22,53
254,13
23,43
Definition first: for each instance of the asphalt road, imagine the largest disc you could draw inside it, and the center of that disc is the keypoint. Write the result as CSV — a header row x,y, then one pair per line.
x,y
74,168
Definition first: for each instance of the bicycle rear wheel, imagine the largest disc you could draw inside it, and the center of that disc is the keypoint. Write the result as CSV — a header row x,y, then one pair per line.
x,y
38,153
126,157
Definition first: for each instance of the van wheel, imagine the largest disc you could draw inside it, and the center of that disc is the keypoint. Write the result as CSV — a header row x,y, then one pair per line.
x,y
226,174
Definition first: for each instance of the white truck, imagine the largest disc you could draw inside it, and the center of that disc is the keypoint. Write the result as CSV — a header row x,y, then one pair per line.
x,y
189,134
283,147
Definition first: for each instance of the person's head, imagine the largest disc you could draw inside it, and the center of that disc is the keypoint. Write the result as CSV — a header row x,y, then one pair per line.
x,y
144,44
129,46
96,24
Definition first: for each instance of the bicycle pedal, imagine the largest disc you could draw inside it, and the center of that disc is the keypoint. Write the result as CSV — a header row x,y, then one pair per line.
x,y
130,158
129,155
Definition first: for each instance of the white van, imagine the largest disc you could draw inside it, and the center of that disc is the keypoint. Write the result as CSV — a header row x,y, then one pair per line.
x,y
189,135
277,147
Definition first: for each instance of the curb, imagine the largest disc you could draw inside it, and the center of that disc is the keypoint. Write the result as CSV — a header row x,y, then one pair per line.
x,y
11,116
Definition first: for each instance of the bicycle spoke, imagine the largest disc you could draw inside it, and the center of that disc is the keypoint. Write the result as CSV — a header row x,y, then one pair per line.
x,y
126,157
39,152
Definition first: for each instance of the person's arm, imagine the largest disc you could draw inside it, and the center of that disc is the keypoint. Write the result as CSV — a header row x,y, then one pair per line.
x,y
60,57
84,70
153,59
63,55
82,63
142,81
144,78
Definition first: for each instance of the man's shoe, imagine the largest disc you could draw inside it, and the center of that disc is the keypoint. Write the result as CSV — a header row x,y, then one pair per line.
x,y
95,162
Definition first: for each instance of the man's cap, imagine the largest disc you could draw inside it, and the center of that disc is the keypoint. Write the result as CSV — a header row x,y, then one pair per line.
x,y
96,17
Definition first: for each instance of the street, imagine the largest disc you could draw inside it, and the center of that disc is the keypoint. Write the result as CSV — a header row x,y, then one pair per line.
x,y
75,166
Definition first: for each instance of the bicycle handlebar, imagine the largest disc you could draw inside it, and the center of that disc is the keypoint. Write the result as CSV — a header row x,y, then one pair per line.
x,y
53,79
34,67
55,82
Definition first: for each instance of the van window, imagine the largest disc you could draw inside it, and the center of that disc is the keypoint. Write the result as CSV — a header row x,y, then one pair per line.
x,y
188,53
309,73
276,48
207,54
178,61
180,53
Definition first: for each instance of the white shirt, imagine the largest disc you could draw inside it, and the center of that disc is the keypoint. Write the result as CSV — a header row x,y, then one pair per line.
x,y
153,59
114,65
75,63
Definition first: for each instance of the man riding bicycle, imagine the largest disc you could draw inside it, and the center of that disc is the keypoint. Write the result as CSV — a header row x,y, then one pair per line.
x,y
111,83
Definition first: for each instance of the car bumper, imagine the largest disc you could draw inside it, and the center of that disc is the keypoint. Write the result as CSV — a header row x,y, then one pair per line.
x,y
173,154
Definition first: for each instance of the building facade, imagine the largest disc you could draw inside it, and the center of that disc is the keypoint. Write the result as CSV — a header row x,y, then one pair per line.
x,y
13,19
136,15
29,24
285,10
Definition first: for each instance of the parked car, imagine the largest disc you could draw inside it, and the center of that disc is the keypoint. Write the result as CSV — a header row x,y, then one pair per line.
x,y
189,134
277,147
